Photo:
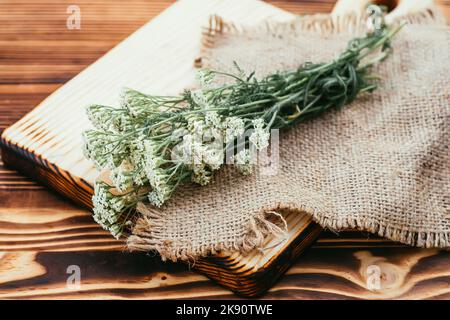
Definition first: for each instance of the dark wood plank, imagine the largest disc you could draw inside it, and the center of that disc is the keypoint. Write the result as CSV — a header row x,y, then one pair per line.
x,y
321,273
41,235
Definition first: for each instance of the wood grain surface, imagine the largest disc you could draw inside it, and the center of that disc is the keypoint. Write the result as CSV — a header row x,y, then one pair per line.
x,y
41,234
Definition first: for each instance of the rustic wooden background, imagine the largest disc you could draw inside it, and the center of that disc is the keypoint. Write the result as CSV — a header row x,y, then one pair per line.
x,y
41,234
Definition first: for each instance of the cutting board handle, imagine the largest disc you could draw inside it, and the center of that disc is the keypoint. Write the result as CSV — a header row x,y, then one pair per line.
x,y
397,8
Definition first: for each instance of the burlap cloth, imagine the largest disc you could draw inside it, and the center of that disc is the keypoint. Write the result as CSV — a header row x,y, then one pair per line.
x,y
381,164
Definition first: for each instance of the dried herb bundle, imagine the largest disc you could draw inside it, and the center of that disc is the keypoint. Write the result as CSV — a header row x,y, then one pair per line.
x,y
152,144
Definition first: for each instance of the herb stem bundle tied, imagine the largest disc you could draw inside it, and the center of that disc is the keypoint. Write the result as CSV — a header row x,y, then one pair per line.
x,y
149,145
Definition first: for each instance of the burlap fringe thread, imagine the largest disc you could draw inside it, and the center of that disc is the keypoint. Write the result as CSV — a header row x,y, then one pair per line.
x,y
146,233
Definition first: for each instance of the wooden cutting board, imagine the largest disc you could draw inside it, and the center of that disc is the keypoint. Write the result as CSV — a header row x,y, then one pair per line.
x,y
46,143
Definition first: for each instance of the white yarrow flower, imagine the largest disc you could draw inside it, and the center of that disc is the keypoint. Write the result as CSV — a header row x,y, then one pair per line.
x,y
156,177
197,128
235,127
122,176
108,209
258,123
109,119
158,196
244,162
260,136
192,150
199,97
201,175
213,119
204,77
213,157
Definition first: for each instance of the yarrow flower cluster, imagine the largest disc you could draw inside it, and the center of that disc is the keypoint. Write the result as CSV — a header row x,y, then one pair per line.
x,y
150,145
109,209
244,161
260,136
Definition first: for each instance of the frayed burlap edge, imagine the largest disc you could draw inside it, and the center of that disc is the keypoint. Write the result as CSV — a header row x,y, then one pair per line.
x,y
147,233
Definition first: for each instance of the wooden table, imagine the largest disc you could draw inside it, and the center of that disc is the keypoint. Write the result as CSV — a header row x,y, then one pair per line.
x,y
42,235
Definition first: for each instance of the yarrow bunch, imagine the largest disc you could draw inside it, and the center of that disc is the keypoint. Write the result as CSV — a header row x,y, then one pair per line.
x,y
149,145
